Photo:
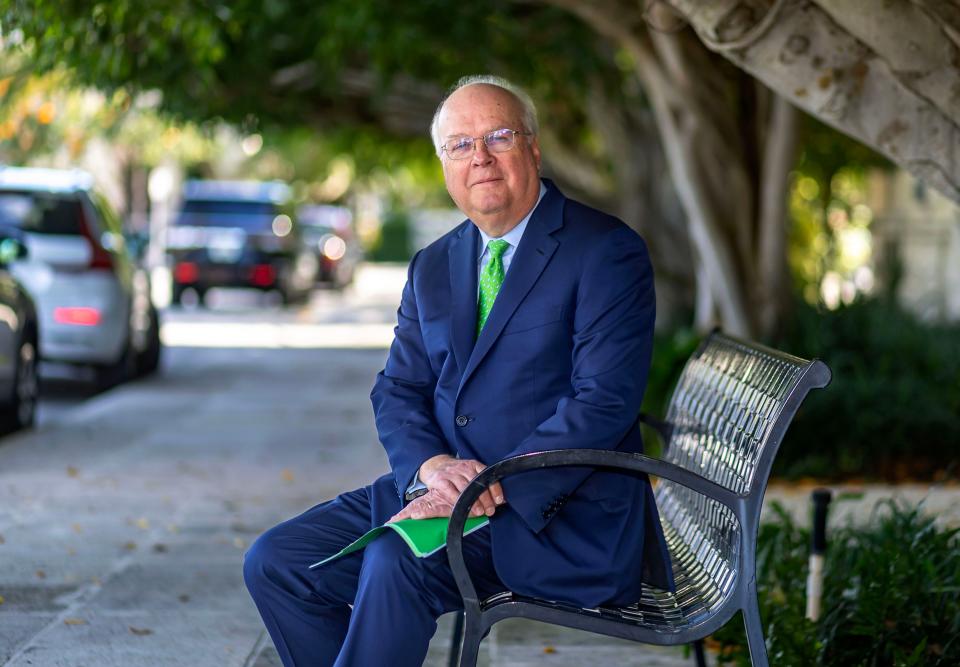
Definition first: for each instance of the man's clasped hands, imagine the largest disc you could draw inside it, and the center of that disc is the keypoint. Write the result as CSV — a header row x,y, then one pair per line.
x,y
445,478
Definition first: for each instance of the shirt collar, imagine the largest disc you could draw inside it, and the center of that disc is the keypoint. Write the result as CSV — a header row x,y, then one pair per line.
x,y
513,236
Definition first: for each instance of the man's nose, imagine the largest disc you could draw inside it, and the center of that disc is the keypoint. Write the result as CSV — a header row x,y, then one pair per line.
x,y
481,156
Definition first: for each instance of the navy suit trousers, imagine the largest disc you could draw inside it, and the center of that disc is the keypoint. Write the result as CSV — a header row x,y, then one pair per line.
x,y
395,597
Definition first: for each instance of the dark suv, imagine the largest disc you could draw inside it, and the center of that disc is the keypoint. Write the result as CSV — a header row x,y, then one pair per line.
x,y
239,234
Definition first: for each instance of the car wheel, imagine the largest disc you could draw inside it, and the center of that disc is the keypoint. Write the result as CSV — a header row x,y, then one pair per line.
x,y
149,359
21,410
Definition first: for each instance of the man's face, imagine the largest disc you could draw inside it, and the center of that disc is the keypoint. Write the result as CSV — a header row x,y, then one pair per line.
x,y
496,190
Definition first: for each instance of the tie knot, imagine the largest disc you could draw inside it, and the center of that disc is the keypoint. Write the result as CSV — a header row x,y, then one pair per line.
x,y
497,248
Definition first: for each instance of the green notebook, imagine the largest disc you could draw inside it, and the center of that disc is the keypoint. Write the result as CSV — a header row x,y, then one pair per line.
x,y
424,536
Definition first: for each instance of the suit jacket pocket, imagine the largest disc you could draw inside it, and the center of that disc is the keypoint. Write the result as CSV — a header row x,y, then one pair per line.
x,y
533,316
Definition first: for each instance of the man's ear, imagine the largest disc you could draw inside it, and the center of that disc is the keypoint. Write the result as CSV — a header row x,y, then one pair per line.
x,y
535,149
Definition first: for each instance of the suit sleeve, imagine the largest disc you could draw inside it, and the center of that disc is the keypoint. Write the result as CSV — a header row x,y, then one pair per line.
x,y
612,346
402,396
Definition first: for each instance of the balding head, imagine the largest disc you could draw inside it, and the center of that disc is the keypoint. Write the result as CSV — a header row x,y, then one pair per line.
x,y
495,187
528,111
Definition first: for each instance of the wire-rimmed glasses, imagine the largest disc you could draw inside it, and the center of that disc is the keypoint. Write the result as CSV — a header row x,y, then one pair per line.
x,y
496,141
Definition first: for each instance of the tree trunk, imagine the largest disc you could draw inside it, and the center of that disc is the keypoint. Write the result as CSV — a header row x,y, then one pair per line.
x,y
773,290
729,144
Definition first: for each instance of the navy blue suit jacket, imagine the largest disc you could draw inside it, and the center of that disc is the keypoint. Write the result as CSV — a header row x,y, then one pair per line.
x,y
561,363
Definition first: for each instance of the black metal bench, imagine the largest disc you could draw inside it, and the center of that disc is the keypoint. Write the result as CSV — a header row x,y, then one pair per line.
x,y
726,419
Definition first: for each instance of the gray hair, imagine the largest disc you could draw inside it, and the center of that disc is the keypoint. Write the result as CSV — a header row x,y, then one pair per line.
x,y
529,119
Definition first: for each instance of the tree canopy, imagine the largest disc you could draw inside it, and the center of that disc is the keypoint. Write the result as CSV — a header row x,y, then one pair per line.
x,y
637,95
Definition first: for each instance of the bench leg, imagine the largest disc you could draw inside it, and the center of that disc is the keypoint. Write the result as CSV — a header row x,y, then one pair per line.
x,y
455,640
754,628
698,653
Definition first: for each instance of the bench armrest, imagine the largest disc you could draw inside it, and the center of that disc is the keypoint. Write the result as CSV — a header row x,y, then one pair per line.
x,y
637,464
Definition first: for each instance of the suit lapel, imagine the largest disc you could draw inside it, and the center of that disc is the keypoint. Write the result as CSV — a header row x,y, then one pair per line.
x,y
464,252
530,258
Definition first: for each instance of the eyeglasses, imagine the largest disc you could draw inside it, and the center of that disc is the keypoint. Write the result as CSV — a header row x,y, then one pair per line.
x,y
496,141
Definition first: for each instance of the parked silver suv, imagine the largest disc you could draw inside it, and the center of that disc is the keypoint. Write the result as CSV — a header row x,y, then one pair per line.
x,y
92,297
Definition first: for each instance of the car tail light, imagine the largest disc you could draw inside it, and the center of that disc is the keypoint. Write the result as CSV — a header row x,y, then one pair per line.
x,y
84,317
263,275
99,258
185,272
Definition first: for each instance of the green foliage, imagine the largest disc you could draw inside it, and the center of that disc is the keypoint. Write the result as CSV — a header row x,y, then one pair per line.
x,y
891,594
893,407
828,206
294,61
394,243
338,80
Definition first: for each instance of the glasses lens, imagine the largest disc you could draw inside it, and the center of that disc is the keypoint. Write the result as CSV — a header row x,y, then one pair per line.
x,y
459,149
499,140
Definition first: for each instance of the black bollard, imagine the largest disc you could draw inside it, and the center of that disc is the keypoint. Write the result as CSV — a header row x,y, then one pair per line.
x,y
818,546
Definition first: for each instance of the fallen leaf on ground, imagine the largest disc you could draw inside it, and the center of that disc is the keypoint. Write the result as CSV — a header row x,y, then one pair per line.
x,y
183,597
74,621
2,540
239,542
287,475
130,546
141,632
77,528
1,599
72,472
41,574
143,523
549,649
160,548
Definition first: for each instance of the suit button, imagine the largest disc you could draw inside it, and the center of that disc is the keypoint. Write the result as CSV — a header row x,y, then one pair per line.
x,y
462,420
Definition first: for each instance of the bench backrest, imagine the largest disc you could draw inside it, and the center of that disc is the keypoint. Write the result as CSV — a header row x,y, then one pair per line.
x,y
729,411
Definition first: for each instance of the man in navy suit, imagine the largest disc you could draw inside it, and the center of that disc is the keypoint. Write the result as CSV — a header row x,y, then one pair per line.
x,y
526,328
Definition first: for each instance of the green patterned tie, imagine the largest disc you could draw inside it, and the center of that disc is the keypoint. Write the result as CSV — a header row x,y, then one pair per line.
x,y
491,278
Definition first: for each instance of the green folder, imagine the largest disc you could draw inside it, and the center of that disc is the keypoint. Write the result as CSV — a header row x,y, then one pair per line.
x,y
424,536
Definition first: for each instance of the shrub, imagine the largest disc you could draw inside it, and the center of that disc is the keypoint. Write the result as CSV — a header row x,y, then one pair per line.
x,y
893,408
394,242
891,594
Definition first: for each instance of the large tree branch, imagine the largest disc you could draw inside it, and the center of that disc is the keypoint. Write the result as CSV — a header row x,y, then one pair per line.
x,y
918,52
798,50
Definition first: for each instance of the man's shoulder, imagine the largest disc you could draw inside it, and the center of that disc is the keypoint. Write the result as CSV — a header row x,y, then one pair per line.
x,y
593,224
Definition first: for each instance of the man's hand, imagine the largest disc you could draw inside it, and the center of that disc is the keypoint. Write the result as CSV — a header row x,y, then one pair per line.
x,y
427,506
447,477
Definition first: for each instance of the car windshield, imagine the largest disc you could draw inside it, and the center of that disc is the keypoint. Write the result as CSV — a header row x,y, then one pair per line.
x,y
248,215
41,212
